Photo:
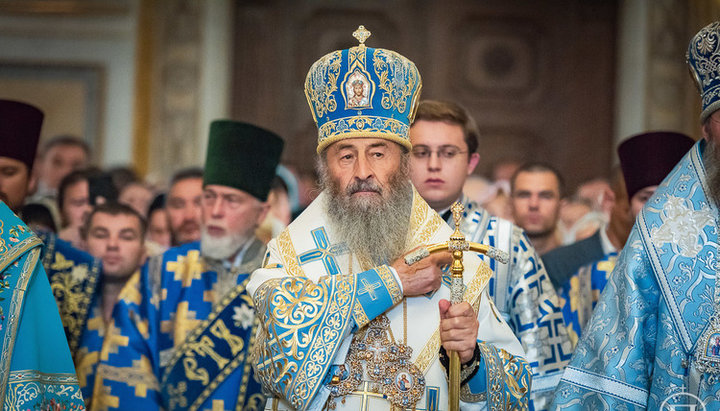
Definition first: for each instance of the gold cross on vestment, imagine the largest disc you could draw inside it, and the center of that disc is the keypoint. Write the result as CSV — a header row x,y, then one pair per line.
x,y
366,393
181,322
369,289
361,34
218,405
187,268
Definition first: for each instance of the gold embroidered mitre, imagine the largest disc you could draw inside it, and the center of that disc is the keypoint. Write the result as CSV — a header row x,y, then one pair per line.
x,y
363,92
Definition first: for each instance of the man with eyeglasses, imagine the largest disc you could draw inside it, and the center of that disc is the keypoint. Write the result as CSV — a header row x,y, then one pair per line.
x,y
445,141
181,334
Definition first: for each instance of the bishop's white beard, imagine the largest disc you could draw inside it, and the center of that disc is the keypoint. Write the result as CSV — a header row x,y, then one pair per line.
x,y
221,248
373,228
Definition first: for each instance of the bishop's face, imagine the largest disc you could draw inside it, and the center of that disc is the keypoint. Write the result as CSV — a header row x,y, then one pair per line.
x,y
369,196
362,168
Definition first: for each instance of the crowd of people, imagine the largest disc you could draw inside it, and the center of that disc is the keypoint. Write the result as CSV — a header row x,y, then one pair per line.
x,y
234,286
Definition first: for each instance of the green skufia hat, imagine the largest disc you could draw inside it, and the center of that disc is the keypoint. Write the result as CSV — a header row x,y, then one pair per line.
x,y
242,156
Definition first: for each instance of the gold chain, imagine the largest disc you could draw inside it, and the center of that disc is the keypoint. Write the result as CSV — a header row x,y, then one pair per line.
x,y
404,321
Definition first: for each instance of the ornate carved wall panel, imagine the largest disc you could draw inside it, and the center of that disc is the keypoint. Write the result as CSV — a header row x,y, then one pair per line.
x,y
668,79
671,96
177,50
537,76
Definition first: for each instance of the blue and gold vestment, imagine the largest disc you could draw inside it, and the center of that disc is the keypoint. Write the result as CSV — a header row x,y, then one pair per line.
x,y
180,337
36,370
523,293
87,356
74,277
581,292
316,302
638,350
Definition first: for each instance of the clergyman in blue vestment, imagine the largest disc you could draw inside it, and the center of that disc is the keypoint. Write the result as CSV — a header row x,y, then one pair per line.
x,y
649,344
36,371
184,327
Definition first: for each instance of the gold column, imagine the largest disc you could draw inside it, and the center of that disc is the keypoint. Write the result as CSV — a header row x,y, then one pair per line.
x,y
143,88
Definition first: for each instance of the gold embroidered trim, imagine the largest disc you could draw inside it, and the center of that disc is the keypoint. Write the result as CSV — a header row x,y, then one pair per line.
x,y
190,340
75,288
359,315
517,377
424,222
494,377
24,245
309,374
251,402
304,341
390,283
288,254
23,383
16,304
363,127
398,77
467,396
321,83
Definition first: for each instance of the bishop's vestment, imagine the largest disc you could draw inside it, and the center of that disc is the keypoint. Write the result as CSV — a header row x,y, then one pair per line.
x,y
654,338
336,332
74,279
36,370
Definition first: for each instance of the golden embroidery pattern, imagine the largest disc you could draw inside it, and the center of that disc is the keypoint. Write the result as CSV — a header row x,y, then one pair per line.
x,y
24,387
388,280
398,78
30,244
321,83
517,378
197,344
288,255
73,286
424,221
347,127
303,324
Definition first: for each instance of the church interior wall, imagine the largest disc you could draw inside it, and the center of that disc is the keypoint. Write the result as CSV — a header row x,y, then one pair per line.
x,y
152,109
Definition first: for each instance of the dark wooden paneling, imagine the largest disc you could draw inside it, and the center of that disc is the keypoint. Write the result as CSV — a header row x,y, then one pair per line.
x,y
537,76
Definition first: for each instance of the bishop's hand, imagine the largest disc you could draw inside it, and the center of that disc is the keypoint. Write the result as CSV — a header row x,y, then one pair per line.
x,y
458,328
423,276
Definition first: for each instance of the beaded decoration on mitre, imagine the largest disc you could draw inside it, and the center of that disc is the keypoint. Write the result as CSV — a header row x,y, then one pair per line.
x,y
703,58
363,92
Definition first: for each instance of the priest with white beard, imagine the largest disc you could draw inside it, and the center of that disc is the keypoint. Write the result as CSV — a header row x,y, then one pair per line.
x,y
346,323
182,331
